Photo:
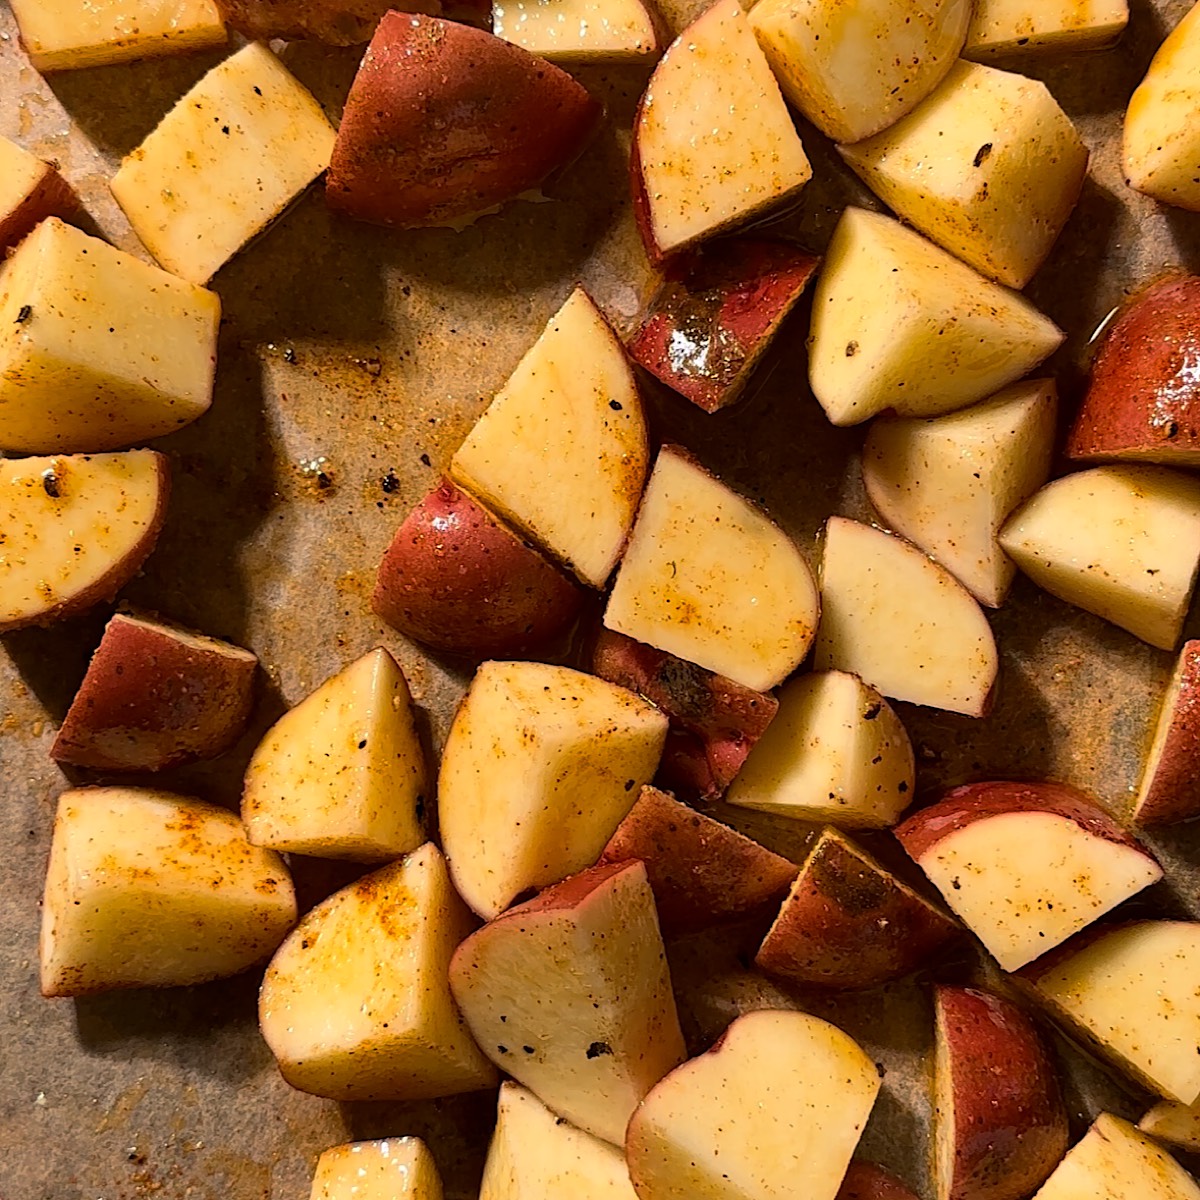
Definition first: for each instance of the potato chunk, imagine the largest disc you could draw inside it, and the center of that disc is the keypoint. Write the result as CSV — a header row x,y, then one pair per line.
x,y
30,191
578,31
97,348
1000,28
388,1169
146,889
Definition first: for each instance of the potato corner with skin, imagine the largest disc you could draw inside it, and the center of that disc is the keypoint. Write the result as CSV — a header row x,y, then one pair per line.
x,y
1122,542
579,31
949,483
848,922
1025,865
75,530
149,889
899,323
387,1169
569,994
30,191
342,775
713,143
98,349
988,166
866,1181
901,622
562,451
156,695
1019,28
355,1005
710,578
1000,1123
1169,790
540,766
456,579
513,117
758,1116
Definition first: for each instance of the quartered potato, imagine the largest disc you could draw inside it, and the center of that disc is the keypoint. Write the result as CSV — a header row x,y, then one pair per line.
x,y
1170,786
30,191
1007,28
578,31
396,1168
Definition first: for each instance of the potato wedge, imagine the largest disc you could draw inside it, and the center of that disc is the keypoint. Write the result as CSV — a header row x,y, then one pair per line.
x,y
389,1169
30,191
578,31
1004,28
1170,786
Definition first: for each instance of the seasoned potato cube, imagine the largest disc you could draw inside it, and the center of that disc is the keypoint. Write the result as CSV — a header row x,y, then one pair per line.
x,y
1000,28
388,1169
30,190
570,31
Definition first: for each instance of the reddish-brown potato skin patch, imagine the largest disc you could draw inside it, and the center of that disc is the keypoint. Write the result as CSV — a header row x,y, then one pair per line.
x,y
1172,792
572,891
52,197
1143,401
457,580
444,122
866,1181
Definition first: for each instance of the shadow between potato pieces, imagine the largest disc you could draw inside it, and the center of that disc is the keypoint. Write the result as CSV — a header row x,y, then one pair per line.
x,y
53,661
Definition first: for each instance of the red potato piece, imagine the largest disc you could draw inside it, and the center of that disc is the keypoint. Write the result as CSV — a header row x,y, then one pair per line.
x,y
714,721
445,122
30,191
1170,787
156,696
848,922
1143,401
716,314
459,581
701,872
866,1181
1001,1126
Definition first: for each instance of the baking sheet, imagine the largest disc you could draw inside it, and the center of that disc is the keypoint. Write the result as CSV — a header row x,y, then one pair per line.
x,y
350,356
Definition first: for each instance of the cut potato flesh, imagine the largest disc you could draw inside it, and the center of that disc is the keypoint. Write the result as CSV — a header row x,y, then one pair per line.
x,y
1178,1124
708,577
342,774
713,140
30,190
577,30
836,751
988,166
1120,542
949,483
146,889
74,530
1000,28
223,163
899,323
901,622
389,1169
562,450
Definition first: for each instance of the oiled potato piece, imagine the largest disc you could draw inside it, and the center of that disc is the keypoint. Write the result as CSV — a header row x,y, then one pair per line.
x,y
97,348
387,1169
146,889
223,163
569,31
30,191
988,166
1005,27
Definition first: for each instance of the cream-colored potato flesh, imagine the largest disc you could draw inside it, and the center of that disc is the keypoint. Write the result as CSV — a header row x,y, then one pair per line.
x,y
899,323
147,889
1006,27
224,163
536,1155
1024,882
398,1168
949,483
1135,992
68,524
988,166
342,775
1122,542
562,450
772,1112
713,135
1170,1121
63,35
20,174
570,31
356,1004
836,751
1116,1162
1162,139
97,348
540,767
708,577
901,622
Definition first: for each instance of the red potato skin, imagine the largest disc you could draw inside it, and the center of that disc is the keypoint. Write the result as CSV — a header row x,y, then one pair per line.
x,y
1172,793
701,872
1010,1124
1143,401
866,1181
714,722
641,201
51,197
716,313
849,923
151,701
444,122
457,580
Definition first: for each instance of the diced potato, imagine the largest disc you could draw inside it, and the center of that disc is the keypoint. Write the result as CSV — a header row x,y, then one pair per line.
x,y
898,323
388,1169
97,348
30,191
569,31
1178,1124
356,1003
342,775
224,163
1000,28
710,578
988,166
146,889
64,35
